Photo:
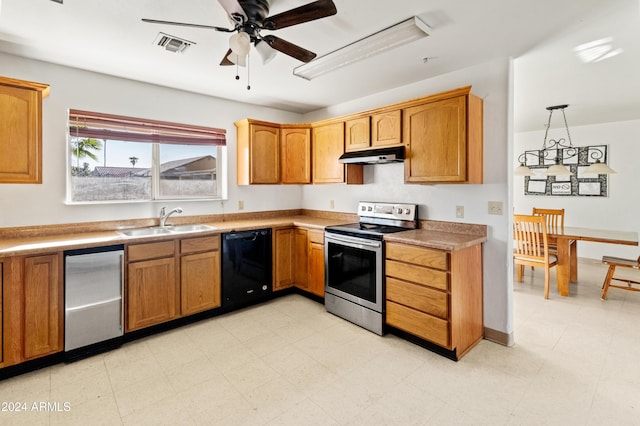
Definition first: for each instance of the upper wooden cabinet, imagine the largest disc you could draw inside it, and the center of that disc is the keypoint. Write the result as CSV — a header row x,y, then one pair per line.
x,y
444,140
21,130
295,154
357,134
328,146
258,152
386,128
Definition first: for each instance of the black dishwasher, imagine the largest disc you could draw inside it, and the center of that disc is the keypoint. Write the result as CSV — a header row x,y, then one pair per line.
x,y
246,268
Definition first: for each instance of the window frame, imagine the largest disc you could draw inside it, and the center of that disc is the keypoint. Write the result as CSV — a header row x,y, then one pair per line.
x,y
146,131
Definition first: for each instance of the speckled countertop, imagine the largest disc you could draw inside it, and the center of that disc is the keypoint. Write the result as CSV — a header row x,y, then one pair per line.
x,y
34,240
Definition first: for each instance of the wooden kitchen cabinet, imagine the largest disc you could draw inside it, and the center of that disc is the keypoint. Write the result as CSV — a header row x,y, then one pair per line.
x,y
436,295
386,129
357,134
327,145
32,307
43,305
199,274
443,139
309,260
258,152
21,130
283,263
295,154
316,262
152,285
300,258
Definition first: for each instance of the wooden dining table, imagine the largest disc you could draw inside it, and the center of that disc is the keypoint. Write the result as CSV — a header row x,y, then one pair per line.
x,y
567,267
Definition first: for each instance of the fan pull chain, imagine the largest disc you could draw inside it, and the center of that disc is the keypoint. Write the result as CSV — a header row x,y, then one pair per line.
x,y
248,72
237,69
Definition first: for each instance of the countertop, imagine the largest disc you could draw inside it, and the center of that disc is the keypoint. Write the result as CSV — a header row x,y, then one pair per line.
x,y
15,244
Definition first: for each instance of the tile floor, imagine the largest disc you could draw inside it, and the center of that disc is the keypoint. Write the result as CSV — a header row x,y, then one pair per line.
x,y
288,362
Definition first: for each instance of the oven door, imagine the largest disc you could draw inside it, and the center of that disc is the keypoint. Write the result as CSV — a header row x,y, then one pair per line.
x,y
353,270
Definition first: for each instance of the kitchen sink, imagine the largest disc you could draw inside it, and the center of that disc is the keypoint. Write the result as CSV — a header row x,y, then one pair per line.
x,y
170,229
191,228
142,232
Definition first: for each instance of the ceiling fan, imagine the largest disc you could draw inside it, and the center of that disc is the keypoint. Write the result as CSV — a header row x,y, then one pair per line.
x,y
249,17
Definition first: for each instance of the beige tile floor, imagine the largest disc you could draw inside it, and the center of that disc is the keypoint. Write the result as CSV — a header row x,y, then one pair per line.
x,y
288,362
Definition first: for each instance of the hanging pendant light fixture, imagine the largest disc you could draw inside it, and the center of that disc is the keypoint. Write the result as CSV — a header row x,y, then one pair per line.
x,y
550,150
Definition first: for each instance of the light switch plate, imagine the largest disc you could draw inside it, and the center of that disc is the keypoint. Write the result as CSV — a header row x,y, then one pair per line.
x,y
459,211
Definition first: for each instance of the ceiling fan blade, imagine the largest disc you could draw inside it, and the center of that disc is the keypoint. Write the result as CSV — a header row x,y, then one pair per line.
x,y
186,24
225,61
290,49
233,8
308,12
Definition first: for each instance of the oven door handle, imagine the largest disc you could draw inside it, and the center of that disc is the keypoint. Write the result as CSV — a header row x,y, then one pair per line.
x,y
353,241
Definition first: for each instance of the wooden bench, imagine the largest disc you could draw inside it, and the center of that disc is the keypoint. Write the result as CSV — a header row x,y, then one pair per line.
x,y
614,262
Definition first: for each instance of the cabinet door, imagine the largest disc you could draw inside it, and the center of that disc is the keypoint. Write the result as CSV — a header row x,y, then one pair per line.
x,y
43,306
264,150
295,150
316,269
435,134
328,146
283,259
357,134
386,129
151,293
20,135
300,259
1,314
200,282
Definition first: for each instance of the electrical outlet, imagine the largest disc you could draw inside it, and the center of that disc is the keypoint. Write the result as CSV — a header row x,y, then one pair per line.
x,y
240,205
459,211
332,204
495,207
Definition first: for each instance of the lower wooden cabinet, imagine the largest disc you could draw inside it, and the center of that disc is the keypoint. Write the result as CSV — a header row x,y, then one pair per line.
x,y
316,263
151,293
32,307
300,259
199,274
169,279
436,295
283,255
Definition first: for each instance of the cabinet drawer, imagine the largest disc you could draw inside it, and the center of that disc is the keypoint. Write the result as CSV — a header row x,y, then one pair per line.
x,y
193,245
432,258
417,274
422,298
423,325
150,250
316,236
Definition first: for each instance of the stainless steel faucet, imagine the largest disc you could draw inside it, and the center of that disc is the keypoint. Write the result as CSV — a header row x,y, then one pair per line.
x,y
164,216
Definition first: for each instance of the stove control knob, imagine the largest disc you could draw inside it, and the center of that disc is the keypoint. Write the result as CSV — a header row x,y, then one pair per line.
x,y
370,208
407,211
399,210
363,208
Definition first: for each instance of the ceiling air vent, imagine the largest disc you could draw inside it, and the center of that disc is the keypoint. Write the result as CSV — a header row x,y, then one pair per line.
x,y
172,43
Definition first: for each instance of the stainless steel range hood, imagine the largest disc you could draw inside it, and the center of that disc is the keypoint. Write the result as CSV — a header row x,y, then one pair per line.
x,y
374,156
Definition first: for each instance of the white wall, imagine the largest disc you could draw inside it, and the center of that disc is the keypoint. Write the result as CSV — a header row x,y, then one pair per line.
x,y
385,182
618,211
24,205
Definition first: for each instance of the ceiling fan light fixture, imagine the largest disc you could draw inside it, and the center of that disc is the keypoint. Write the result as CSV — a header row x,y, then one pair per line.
x,y
399,34
267,53
240,43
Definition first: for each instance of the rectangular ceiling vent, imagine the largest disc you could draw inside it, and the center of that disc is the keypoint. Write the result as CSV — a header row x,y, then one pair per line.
x,y
172,43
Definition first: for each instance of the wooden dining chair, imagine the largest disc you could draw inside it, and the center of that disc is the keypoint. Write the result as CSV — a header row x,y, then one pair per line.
x,y
613,263
555,224
531,246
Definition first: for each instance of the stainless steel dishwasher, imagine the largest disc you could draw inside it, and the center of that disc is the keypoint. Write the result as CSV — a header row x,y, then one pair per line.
x,y
93,300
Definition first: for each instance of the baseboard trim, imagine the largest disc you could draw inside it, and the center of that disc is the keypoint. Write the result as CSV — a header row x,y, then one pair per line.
x,y
500,337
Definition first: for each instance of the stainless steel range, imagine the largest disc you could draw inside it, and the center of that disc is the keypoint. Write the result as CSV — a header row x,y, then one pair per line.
x,y
354,262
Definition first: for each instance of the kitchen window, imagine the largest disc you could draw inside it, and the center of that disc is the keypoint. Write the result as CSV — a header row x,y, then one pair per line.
x,y
118,159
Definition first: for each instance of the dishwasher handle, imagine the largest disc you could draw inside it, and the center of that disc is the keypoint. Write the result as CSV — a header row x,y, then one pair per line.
x,y
244,235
